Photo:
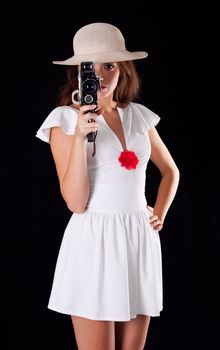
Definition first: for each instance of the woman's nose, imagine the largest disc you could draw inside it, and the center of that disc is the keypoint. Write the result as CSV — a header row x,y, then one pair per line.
x,y
99,69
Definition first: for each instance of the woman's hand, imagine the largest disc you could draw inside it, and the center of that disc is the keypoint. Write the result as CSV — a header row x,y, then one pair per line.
x,y
155,222
83,126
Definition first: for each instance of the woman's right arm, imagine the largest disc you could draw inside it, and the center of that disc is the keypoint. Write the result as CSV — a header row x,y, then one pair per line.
x,y
69,153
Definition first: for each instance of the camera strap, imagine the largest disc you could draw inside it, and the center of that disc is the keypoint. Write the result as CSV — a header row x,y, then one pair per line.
x,y
94,145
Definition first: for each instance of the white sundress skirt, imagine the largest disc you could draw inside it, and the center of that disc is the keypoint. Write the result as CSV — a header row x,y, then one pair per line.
x,y
109,266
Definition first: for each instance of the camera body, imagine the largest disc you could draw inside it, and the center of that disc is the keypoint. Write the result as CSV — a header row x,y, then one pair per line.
x,y
89,84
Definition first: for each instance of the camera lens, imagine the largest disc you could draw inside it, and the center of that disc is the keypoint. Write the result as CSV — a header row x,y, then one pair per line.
x,y
89,86
88,99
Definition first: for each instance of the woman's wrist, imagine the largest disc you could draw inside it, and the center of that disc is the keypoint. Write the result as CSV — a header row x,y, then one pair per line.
x,y
79,138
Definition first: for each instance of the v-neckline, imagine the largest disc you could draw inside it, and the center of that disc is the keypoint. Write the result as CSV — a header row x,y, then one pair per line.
x,y
121,115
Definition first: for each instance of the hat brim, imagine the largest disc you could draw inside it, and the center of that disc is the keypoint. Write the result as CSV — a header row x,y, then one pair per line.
x,y
104,57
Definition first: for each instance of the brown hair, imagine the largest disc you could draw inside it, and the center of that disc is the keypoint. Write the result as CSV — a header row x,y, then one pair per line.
x,y
126,91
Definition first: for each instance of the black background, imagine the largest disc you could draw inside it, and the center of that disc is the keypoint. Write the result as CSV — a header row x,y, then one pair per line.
x,y
34,213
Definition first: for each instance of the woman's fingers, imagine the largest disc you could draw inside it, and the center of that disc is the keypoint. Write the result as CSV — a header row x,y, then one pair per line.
x,y
153,218
89,117
155,222
150,208
86,121
158,227
99,111
86,108
86,127
91,127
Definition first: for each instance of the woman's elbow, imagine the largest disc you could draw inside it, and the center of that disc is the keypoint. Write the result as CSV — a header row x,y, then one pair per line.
x,y
173,172
177,172
74,204
76,208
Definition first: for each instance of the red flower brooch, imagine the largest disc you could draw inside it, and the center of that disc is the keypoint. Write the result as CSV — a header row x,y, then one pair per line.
x,y
128,159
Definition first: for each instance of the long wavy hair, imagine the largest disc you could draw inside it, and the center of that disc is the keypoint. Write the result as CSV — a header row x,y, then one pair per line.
x,y
126,91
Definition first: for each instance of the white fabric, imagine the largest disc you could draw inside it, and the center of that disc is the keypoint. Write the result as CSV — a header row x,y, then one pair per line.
x,y
109,265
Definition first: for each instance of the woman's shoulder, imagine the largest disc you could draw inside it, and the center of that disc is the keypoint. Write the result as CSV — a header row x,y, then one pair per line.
x,y
140,107
61,116
148,117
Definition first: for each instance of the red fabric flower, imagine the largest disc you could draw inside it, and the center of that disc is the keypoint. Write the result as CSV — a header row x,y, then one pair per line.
x,y
128,159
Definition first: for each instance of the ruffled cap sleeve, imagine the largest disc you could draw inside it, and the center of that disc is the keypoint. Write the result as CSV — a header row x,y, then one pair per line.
x,y
149,118
63,116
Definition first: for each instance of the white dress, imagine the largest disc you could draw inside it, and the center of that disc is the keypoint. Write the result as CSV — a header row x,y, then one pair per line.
x,y
109,265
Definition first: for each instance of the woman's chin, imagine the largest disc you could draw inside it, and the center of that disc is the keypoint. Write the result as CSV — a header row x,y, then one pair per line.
x,y
103,93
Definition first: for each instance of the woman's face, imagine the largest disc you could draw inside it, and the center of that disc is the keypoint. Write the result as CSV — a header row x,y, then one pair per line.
x,y
109,74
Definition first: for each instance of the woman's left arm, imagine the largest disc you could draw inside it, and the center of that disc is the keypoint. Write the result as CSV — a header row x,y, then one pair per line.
x,y
163,160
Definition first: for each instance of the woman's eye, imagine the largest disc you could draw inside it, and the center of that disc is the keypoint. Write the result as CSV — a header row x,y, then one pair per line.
x,y
109,66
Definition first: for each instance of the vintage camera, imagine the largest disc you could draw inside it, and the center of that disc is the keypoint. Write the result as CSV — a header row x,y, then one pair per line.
x,y
89,84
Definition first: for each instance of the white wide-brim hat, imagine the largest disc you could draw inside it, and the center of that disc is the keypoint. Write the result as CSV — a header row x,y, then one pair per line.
x,y
100,43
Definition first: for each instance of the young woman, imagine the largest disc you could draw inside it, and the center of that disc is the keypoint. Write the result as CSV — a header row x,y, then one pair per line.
x,y
108,274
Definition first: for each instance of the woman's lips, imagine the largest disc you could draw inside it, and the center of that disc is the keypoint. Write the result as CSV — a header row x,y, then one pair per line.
x,y
103,87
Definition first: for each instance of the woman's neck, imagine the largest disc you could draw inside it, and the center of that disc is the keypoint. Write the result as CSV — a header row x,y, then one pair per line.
x,y
107,105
